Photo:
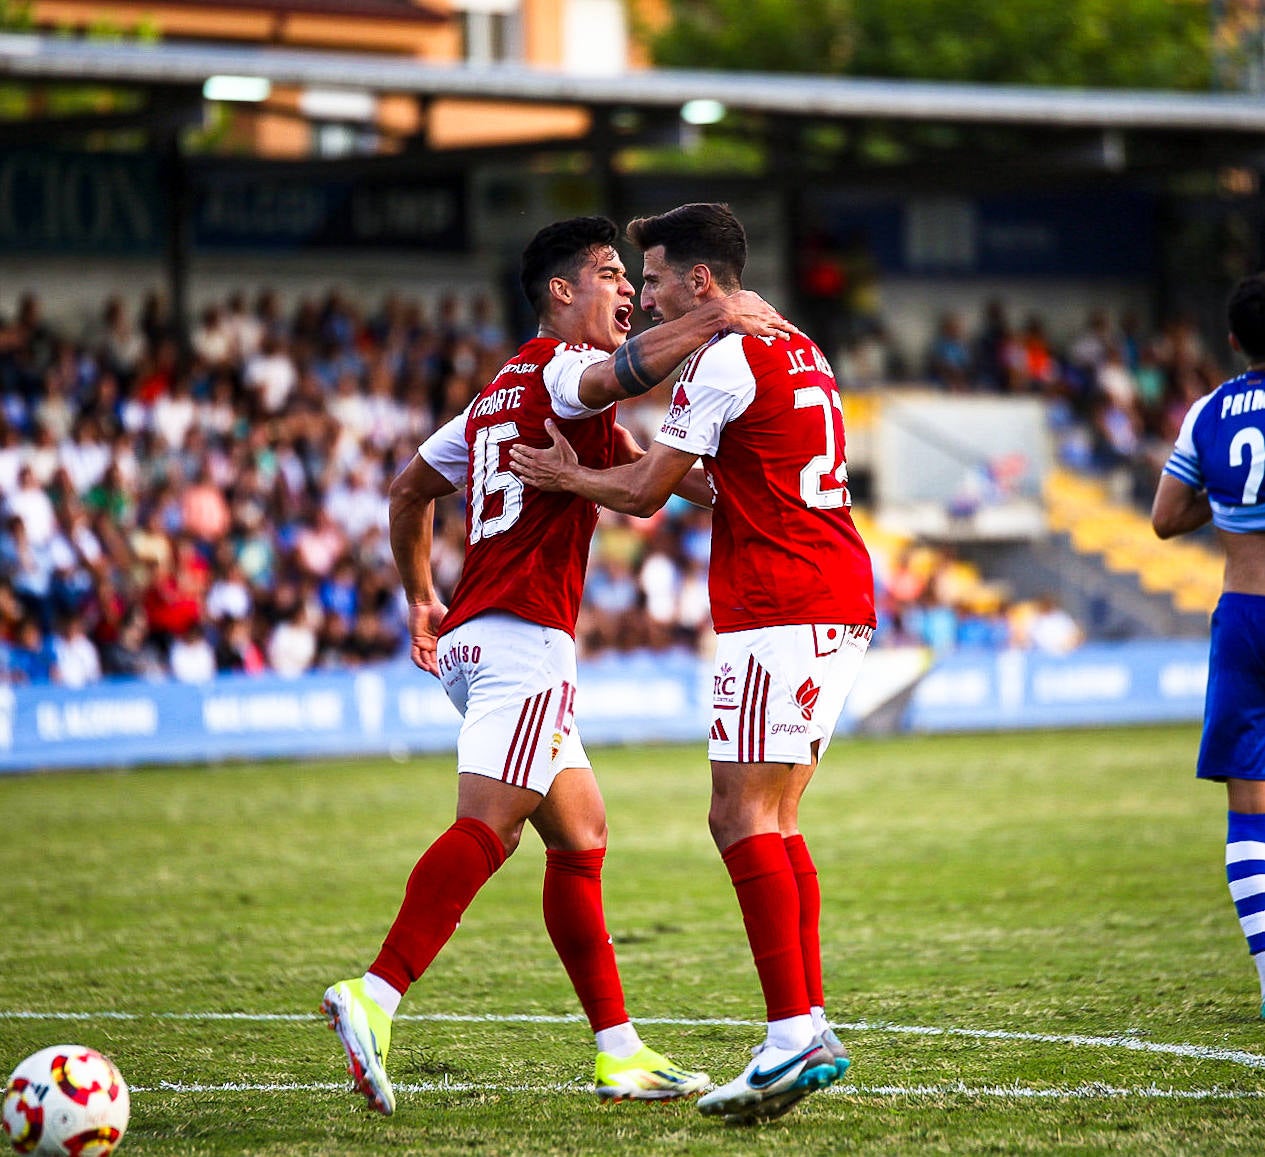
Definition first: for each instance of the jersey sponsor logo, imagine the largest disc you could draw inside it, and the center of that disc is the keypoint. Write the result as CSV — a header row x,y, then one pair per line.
x,y
806,697
460,655
789,729
677,420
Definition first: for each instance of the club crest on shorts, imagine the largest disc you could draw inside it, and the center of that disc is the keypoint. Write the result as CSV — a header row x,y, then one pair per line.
x,y
724,685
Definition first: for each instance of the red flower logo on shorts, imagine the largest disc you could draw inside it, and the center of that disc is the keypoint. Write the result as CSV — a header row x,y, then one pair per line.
x,y
806,697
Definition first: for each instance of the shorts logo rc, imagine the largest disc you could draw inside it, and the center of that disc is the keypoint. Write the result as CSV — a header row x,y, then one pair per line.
x,y
724,685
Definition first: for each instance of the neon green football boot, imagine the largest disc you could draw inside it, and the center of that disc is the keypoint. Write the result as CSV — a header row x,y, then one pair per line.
x,y
365,1030
644,1076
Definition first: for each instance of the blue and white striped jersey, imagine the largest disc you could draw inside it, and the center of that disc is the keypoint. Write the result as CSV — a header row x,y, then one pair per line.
x,y
1221,449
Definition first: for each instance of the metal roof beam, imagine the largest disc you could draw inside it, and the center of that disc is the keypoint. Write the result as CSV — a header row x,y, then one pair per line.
x,y
36,57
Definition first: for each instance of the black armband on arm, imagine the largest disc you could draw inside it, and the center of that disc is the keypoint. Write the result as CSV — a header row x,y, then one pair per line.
x,y
631,372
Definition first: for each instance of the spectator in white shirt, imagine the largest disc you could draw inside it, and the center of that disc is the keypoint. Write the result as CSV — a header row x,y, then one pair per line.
x,y
270,376
292,644
33,506
192,658
75,659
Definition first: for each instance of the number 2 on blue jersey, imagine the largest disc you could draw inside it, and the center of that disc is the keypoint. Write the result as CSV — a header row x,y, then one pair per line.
x,y
1251,439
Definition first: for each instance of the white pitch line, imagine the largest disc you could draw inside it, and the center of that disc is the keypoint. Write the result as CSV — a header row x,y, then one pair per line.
x,y
1003,1092
1122,1041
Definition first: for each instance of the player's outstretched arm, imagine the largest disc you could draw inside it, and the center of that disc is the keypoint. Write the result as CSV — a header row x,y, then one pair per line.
x,y
1178,508
412,529
693,487
639,487
642,362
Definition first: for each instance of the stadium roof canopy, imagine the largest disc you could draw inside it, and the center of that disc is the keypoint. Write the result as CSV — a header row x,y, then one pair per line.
x,y
56,59
1200,126
900,134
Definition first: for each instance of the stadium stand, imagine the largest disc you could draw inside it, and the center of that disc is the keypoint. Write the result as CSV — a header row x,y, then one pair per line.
x,y
1081,507
174,514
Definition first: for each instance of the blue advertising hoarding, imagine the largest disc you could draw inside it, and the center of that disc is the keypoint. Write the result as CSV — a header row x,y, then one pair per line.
x,y
396,709
1103,684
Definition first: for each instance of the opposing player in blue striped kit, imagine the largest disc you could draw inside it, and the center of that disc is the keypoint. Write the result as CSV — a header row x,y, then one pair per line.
x,y
1216,472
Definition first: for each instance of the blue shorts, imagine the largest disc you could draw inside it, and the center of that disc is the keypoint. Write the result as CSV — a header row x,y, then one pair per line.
x,y
1233,743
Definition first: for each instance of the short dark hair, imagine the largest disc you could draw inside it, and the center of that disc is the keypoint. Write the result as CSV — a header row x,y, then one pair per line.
x,y
559,250
702,233
1246,312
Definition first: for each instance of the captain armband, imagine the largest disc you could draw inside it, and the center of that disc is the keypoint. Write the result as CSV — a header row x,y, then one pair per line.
x,y
631,372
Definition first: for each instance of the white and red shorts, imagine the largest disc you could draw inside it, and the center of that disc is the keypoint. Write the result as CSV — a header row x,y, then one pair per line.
x,y
777,690
514,684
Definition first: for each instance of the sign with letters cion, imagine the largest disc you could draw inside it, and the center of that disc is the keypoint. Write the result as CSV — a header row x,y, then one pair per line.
x,y
55,202
119,204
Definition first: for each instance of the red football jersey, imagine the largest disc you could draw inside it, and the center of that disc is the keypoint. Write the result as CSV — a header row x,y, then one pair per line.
x,y
766,418
526,550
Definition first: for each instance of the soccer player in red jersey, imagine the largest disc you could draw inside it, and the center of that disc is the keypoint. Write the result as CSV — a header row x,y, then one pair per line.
x,y
504,650
792,597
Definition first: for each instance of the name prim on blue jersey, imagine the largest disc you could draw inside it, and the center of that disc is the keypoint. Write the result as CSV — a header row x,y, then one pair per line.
x,y
1221,449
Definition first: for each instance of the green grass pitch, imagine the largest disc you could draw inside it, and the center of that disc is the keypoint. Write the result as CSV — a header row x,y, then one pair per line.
x,y
1028,941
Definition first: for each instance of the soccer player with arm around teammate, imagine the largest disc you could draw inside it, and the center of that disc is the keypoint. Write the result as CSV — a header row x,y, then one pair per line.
x,y
1215,474
792,598
504,651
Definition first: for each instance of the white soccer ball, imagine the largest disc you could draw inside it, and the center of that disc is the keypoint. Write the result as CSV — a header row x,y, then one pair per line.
x,y
66,1101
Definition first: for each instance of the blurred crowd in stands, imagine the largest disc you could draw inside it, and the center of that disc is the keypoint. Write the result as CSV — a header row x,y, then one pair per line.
x,y
1116,393
176,512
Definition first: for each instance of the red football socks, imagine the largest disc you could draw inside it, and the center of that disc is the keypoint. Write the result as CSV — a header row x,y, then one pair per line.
x,y
769,898
809,915
577,927
439,890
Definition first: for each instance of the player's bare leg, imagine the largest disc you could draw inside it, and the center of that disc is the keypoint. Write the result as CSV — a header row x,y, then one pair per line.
x,y
571,821
1245,865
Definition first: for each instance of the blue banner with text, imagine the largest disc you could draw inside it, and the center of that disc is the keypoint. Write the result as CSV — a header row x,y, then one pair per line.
x,y
394,709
